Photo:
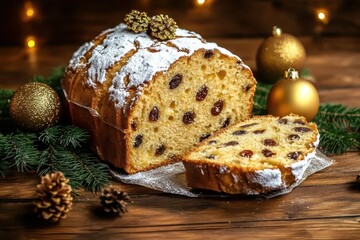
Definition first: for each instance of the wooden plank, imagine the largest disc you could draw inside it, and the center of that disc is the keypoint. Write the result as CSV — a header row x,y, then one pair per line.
x,y
85,221
330,193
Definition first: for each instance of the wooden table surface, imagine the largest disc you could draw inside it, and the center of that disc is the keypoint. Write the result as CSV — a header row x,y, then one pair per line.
x,y
325,206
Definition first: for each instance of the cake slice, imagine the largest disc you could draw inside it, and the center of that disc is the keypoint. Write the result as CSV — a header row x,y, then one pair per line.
x,y
257,156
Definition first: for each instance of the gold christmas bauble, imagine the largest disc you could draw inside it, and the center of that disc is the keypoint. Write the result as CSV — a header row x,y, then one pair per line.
x,y
293,95
278,53
35,106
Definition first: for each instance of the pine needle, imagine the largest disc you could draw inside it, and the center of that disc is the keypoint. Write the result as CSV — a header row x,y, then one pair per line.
x,y
19,149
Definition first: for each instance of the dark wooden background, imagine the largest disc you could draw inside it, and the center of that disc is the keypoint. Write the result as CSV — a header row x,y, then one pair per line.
x,y
69,21
325,206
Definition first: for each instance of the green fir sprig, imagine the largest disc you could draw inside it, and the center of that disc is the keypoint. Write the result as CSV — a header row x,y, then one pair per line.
x,y
339,128
58,148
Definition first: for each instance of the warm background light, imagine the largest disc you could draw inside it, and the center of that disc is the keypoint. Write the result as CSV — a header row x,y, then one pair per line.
x,y
200,2
30,42
30,12
322,15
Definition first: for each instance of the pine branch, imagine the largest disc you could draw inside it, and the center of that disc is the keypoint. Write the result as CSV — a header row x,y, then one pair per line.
x,y
4,164
66,154
340,115
339,128
93,174
337,140
73,136
20,150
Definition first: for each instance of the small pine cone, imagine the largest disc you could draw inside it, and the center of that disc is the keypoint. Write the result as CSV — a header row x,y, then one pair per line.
x,y
163,27
114,202
54,197
137,21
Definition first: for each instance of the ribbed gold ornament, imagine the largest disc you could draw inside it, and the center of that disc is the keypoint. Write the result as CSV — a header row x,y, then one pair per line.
x,y
35,106
278,53
293,95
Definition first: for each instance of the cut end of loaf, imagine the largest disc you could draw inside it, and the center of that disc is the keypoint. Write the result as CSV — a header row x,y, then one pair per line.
x,y
197,96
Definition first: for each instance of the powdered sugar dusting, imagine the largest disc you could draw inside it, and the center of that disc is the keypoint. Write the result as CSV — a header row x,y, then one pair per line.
x,y
151,56
114,47
79,55
268,178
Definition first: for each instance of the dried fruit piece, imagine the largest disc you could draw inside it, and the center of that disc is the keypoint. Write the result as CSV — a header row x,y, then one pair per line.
x,y
294,155
247,88
259,131
269,142
292,137
239,132
299,121
133,126
189,117
208,54
267,153
204,136
246,153
217,108
154,114
249,125
231,143
226,123
212,142
211,156
138,141
175,81
302,129
283,121
202,93
160,150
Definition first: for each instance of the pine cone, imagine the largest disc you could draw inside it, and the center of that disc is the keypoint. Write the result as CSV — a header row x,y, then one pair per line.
x,y
114,202
137,21
163,27
54,197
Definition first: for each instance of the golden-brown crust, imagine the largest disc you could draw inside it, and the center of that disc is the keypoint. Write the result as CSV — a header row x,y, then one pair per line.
x,y
223,179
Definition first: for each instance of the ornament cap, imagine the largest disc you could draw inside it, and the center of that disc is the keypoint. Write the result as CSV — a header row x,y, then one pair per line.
x,y
291,73
276,31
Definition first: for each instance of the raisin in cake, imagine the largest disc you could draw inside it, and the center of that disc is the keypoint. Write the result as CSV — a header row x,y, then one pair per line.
x,y
256,156
147,101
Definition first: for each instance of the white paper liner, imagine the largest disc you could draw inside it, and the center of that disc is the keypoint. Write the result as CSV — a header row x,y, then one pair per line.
x,y
171,179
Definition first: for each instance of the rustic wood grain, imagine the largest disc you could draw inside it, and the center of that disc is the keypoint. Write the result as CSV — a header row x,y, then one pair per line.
x,y
325,206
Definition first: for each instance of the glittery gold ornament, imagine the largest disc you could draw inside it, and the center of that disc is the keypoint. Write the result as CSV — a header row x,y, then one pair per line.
x,y
35,106
278,53
293,95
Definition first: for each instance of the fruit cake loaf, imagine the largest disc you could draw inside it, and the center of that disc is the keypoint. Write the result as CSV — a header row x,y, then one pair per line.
x,y
147,101
256,156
